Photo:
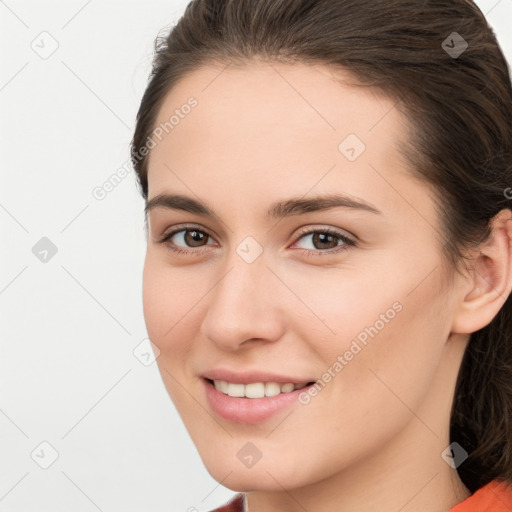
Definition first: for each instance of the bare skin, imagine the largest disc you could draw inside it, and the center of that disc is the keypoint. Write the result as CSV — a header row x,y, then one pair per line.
x,y
372,438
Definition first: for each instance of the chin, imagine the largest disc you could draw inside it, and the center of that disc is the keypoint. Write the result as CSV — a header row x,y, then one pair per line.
x,y
262,476
247,481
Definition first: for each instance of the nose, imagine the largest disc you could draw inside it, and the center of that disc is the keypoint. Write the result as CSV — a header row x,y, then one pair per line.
x,y
245,306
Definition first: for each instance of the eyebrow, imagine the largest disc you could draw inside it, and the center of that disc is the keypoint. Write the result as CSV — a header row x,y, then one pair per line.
x,y
280,209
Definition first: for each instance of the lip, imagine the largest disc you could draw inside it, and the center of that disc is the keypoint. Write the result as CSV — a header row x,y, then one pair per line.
x,y
248,410
252,376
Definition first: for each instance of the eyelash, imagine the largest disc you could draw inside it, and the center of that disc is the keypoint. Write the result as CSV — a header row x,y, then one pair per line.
x,y
347,242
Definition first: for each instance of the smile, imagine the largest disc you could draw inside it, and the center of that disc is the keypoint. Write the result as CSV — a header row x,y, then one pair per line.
x,y
255,389
255,408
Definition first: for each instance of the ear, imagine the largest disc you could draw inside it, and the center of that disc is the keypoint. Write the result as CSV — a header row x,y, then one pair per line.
x,y
489,283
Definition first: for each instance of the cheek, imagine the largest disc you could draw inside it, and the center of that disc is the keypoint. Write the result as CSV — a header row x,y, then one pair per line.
x,y
165,314
167,297
377,330
155,302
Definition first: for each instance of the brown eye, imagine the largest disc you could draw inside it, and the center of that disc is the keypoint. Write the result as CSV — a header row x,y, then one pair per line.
x,y
194,238
179,240
324,241
328,241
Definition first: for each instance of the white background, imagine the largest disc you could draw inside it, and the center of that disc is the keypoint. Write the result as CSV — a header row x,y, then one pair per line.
x,y
69,326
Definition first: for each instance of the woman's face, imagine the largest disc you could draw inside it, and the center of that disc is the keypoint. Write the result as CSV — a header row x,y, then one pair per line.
x,y
362,310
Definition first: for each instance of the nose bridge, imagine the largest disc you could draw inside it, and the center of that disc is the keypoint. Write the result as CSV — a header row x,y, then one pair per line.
x,y
246,276
243,303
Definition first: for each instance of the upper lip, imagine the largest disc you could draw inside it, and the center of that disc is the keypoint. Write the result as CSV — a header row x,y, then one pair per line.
x,y
252,376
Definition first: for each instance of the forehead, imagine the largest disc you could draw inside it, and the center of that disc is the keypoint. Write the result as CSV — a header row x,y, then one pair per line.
x,y
264,127
310,97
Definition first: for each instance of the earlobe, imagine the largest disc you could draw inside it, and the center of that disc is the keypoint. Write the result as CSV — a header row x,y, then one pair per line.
x,y
490,279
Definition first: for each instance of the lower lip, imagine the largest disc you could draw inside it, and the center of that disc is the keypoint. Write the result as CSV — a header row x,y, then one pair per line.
x,y
248,410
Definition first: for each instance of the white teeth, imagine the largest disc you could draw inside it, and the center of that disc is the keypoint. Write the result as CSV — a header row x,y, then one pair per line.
x,y
272,389
255,389
221,385
236,390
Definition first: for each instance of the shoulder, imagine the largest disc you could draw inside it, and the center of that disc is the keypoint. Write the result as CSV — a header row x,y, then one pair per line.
x,y
236,504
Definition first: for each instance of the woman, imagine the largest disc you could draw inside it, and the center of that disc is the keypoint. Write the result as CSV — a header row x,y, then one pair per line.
x,y
328,269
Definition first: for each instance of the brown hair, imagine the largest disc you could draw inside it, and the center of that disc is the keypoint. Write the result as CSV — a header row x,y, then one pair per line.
x,y
460,142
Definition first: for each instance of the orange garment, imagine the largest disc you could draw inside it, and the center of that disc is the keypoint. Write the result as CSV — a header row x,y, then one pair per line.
x,y
496,496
